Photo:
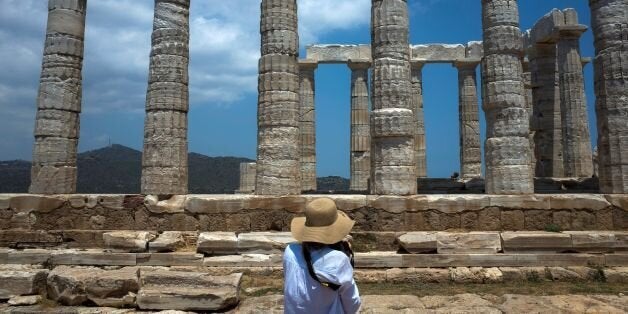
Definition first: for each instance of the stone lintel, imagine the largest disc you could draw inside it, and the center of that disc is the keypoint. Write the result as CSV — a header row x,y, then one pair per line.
x,y
308,64
466,63
359,64
571,31
544,30
417,64
337,53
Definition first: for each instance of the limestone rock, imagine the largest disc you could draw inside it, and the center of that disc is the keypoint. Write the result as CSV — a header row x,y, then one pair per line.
x,y
168,241
173,205
469,242
616,275
24,300
264,242
418,242
128,241
187,291
244,260
37,203
19,281
536,242
217,243
593,241
417,275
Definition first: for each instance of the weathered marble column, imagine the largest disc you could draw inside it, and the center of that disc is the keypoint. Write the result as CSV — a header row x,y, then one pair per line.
x,y
278,155
546,110
360,158
609,21
307,124
165,157
507,145
417,100
577,152
247,178
393,164
470,151
59,100
527,84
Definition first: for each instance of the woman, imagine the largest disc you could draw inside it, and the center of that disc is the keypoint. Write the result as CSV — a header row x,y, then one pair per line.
x,y
318,270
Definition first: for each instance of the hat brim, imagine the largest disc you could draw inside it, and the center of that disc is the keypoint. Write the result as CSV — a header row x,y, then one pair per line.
x,y
327,235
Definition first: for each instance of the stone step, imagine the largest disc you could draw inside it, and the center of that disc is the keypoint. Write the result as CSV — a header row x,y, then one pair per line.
x,y
187,291
386,259
18,280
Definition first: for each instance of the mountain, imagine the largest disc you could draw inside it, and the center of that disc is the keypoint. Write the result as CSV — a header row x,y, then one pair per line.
x,y
117,169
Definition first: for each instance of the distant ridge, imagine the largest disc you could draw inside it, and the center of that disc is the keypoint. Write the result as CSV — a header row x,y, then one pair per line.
x,y
117,169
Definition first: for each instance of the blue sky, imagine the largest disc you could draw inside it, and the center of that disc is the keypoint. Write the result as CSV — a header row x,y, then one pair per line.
x,y
224,52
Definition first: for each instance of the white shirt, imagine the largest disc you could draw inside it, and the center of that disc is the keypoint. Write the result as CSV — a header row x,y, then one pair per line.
x,y
303,294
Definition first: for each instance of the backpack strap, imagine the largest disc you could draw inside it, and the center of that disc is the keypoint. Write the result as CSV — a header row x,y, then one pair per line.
x,y
310,268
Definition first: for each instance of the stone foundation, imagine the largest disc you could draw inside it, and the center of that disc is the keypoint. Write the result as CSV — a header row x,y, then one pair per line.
x,y
246,213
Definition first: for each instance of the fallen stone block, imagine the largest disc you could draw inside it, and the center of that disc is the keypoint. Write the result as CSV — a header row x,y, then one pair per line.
x,y
616,275
18,281
468,243
37,203
217,243
76,285
244,260
563,274
128,241
174,205
264,242
418,242
187,291
168,241
543,242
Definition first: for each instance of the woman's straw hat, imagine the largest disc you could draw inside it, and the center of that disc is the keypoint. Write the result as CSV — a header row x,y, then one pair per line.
x,y
323,223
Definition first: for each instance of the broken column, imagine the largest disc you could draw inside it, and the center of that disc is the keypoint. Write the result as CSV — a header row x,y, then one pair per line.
x,y
247,178
165,156
577,153
609,23
507,146
470,152
59,100
393,162
307,124
278,156
546,96
360,158
417,100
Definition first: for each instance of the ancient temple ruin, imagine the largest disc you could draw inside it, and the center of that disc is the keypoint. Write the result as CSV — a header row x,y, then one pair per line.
x,y
168,250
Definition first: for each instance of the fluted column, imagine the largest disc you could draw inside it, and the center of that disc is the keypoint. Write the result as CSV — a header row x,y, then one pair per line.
x,y
59,100
548,140
577,152
470,152
507,146
247,178
278,156
360,158
609,24
417,100
527,85
393,164
165,157
307,124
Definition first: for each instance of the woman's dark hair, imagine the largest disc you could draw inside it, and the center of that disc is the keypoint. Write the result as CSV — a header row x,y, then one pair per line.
x,y
341,246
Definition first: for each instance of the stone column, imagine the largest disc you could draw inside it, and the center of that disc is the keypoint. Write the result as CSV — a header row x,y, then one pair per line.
x,y
393,164
59,100
165,157
247,178
527,84
546,110
470,151
278,156
577,152
360,158
507,145
307,124
417,100
609,23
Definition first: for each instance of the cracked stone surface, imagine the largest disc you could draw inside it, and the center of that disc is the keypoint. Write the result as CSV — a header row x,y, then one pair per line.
x,y
307,124
360,159
469,121
165,156
417,100
59,100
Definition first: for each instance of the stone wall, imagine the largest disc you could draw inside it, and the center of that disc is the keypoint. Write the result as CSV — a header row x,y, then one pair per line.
x,y
242,213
